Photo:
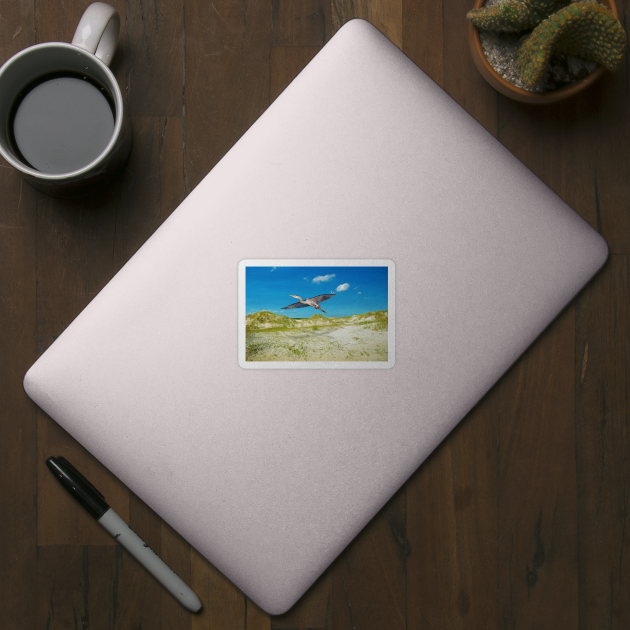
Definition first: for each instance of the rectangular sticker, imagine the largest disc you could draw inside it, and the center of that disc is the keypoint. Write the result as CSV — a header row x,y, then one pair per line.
x,y
316,314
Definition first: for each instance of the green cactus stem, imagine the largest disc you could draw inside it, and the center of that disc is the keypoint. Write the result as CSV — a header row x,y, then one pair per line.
x,y
513,16
583,29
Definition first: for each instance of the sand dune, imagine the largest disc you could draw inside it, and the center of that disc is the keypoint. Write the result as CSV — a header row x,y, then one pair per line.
x,y
328,342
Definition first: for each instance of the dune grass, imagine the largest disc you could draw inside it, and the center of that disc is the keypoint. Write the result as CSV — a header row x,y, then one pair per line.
x,y
271,337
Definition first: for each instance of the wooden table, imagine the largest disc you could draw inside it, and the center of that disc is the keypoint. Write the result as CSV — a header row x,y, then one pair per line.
x,y
518,520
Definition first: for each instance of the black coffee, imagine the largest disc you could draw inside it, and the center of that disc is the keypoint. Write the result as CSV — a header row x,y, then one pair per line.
x,y
61,123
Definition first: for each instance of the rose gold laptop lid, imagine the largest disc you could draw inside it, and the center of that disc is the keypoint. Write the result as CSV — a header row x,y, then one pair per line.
x,y
363,182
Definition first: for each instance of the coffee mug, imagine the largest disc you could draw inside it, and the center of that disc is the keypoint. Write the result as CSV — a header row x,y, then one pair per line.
x,y
62,114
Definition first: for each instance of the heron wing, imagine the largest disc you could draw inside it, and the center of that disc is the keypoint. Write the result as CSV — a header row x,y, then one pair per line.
x,y
318,299
296,305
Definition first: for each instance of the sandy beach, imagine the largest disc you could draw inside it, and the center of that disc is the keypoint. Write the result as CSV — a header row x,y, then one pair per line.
x,y
327,342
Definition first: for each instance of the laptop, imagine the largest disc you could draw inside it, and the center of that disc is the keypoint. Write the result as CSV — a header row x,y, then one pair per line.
x,y
316,316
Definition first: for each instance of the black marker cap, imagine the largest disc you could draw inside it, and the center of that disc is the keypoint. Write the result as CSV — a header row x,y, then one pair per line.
x,y
78,486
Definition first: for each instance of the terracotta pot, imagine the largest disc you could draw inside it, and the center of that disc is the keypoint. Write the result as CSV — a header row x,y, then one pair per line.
x,y
518,94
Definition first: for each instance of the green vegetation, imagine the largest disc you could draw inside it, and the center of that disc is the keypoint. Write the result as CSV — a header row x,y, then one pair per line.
x,y
380,320
585,29
254,346
265,321
273,337
582,29
513,16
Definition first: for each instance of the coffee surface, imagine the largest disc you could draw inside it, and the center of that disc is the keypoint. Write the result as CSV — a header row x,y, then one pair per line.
x,y
62,124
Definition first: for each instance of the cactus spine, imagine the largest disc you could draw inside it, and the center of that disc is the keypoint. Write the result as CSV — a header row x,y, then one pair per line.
x,y
583,29
513,16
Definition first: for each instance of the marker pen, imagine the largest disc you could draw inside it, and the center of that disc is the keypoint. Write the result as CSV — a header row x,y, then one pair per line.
x,y
94,502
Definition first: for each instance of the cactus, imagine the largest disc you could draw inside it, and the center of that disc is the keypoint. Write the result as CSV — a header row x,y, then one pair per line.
x,y
513,16
584,29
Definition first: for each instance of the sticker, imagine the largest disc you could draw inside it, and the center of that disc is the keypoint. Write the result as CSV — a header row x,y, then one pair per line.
x,y
316,314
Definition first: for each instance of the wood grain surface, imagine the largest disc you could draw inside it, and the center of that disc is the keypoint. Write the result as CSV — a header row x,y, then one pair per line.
x,y
518,520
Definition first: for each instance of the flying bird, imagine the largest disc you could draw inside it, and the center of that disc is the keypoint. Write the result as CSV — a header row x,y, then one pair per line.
x,y
314,301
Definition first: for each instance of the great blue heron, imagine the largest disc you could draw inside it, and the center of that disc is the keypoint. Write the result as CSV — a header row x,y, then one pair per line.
x,y
314,301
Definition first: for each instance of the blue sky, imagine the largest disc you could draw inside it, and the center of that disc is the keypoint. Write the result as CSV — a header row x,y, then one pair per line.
x,y
358,289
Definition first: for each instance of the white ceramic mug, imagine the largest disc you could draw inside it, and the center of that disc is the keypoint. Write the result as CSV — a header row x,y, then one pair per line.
x,y
88,57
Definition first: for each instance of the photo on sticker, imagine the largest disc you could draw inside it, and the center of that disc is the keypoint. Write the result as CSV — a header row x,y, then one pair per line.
x,y
318,313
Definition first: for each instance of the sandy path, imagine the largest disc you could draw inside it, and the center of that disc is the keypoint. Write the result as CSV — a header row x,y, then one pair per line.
x,y
328,343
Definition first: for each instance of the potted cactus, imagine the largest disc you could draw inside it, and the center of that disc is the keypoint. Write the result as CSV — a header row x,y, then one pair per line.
x,y
558,49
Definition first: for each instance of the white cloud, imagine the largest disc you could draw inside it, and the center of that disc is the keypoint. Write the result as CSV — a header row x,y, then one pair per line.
x,y
359,293
318,279
273,269
343,287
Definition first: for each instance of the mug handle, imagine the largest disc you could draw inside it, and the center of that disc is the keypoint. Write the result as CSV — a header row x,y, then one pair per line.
x,y
98,30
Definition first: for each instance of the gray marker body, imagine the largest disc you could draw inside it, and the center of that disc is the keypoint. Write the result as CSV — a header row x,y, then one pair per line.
x,y
149,559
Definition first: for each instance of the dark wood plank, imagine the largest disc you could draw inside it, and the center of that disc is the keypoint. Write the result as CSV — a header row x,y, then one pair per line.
x,y
76,587
608,134
224,606
452,527
171,159
154,57
18,416
537,537
603,443
60,519
558,147
312,611
74,248
18,422
576,148
255,618
226,78
422,36
461,78
152,185
176,552
608,126
386,15
566,149
285,64
369,577
57,23
17,28
300,23
570,146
